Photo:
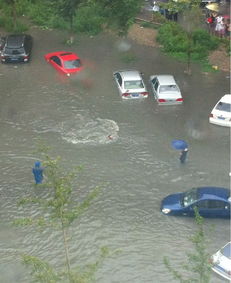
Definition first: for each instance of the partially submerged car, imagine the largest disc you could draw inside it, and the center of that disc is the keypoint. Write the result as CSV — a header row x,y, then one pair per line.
x,y
210,202
221,113
165,90
16,48
221,261
64,62
130,84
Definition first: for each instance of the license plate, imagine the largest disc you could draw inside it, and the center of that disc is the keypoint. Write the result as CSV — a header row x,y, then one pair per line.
x,y
135,95
221,118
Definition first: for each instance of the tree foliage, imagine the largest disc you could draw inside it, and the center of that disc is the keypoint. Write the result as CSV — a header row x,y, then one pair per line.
x,y
198,267
58,211
81,15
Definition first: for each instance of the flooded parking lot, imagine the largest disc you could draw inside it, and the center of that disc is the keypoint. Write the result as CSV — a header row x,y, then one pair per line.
x,y
137,166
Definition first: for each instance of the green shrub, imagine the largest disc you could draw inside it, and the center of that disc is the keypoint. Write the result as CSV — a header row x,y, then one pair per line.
x,y
43,13
88,20
178,43
203,38
8,24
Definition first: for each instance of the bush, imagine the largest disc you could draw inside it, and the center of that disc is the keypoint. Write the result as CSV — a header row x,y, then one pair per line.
x,y
178,42
8,24
172,37
88,20
43,14
204,39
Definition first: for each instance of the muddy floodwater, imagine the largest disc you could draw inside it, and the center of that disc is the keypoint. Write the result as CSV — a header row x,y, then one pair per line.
x,y
136,166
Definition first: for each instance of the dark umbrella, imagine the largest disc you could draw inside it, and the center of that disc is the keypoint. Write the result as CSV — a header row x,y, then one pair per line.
x,y
179,144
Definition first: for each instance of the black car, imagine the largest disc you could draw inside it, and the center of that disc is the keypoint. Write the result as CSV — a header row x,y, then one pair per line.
x,y
16,48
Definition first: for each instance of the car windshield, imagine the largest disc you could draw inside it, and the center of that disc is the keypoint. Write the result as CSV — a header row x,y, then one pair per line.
x,y
72,64
224,106
189,197
133,84
14,51
226,251
167,88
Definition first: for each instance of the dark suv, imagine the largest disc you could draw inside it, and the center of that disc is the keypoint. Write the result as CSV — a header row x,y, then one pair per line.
x,y
16,48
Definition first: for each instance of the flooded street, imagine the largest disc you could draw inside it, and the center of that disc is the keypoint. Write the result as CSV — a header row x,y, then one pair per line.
x,y
136,168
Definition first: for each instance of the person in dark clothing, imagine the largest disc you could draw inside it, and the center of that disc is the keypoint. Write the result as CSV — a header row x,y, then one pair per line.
x,y
37,172
183,155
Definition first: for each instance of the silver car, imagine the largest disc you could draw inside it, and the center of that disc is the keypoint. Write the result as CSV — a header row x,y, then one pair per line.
x,y
221,261
130,84
165,90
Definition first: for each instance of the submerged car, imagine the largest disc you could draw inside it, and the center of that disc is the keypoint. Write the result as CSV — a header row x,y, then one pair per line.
x,y
165,90
221,261
221,113
130,84
210,202
16,48
64,62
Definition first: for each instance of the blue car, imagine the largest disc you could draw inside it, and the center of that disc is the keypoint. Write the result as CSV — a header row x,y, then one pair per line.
x,y
210,202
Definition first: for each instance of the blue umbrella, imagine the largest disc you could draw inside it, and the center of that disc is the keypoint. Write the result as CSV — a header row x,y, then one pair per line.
x,y
179,144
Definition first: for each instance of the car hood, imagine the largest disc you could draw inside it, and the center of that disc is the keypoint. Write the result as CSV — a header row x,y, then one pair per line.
x,y
172,201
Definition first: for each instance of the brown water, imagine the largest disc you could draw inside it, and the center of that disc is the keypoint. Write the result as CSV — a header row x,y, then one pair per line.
x,y
137,167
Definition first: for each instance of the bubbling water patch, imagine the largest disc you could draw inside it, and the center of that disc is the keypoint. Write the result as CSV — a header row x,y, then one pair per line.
x,y
98,131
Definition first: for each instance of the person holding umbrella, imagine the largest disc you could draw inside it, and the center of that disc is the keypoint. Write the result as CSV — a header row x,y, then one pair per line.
x,y
183,146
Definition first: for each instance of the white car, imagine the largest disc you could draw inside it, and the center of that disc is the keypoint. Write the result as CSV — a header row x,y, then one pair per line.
x,y
130,84
221,261
221,113
165,90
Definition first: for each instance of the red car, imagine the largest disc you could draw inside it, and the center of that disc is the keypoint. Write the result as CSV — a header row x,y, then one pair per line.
x,y
65,62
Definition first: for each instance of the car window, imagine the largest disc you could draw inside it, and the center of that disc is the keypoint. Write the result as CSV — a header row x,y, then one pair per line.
x,y
224,106
203,204
14,51
190,197
72,64
226,251
118,78
56,60
216,204
133,84
156,85
154,80
167,88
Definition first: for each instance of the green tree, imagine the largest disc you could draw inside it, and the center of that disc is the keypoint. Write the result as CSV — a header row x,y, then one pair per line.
x,y
198,266
120,14
58,211
12,10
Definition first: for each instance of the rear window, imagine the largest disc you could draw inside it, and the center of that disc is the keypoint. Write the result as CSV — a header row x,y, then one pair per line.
x,y
223,106
226,251
133,84
72,64
13,51
167,88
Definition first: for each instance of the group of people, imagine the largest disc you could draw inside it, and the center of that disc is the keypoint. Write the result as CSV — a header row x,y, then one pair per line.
x,y
218,25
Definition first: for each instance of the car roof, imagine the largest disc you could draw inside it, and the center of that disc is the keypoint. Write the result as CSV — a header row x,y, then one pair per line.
x,y
15,40
130,75
217,193
166,79
226,98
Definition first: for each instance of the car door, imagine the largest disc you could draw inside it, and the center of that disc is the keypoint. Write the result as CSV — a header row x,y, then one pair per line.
x,y
218,208
56,62
28,44
119,82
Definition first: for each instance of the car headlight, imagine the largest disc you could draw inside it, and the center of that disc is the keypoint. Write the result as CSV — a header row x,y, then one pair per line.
x,y
166,210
